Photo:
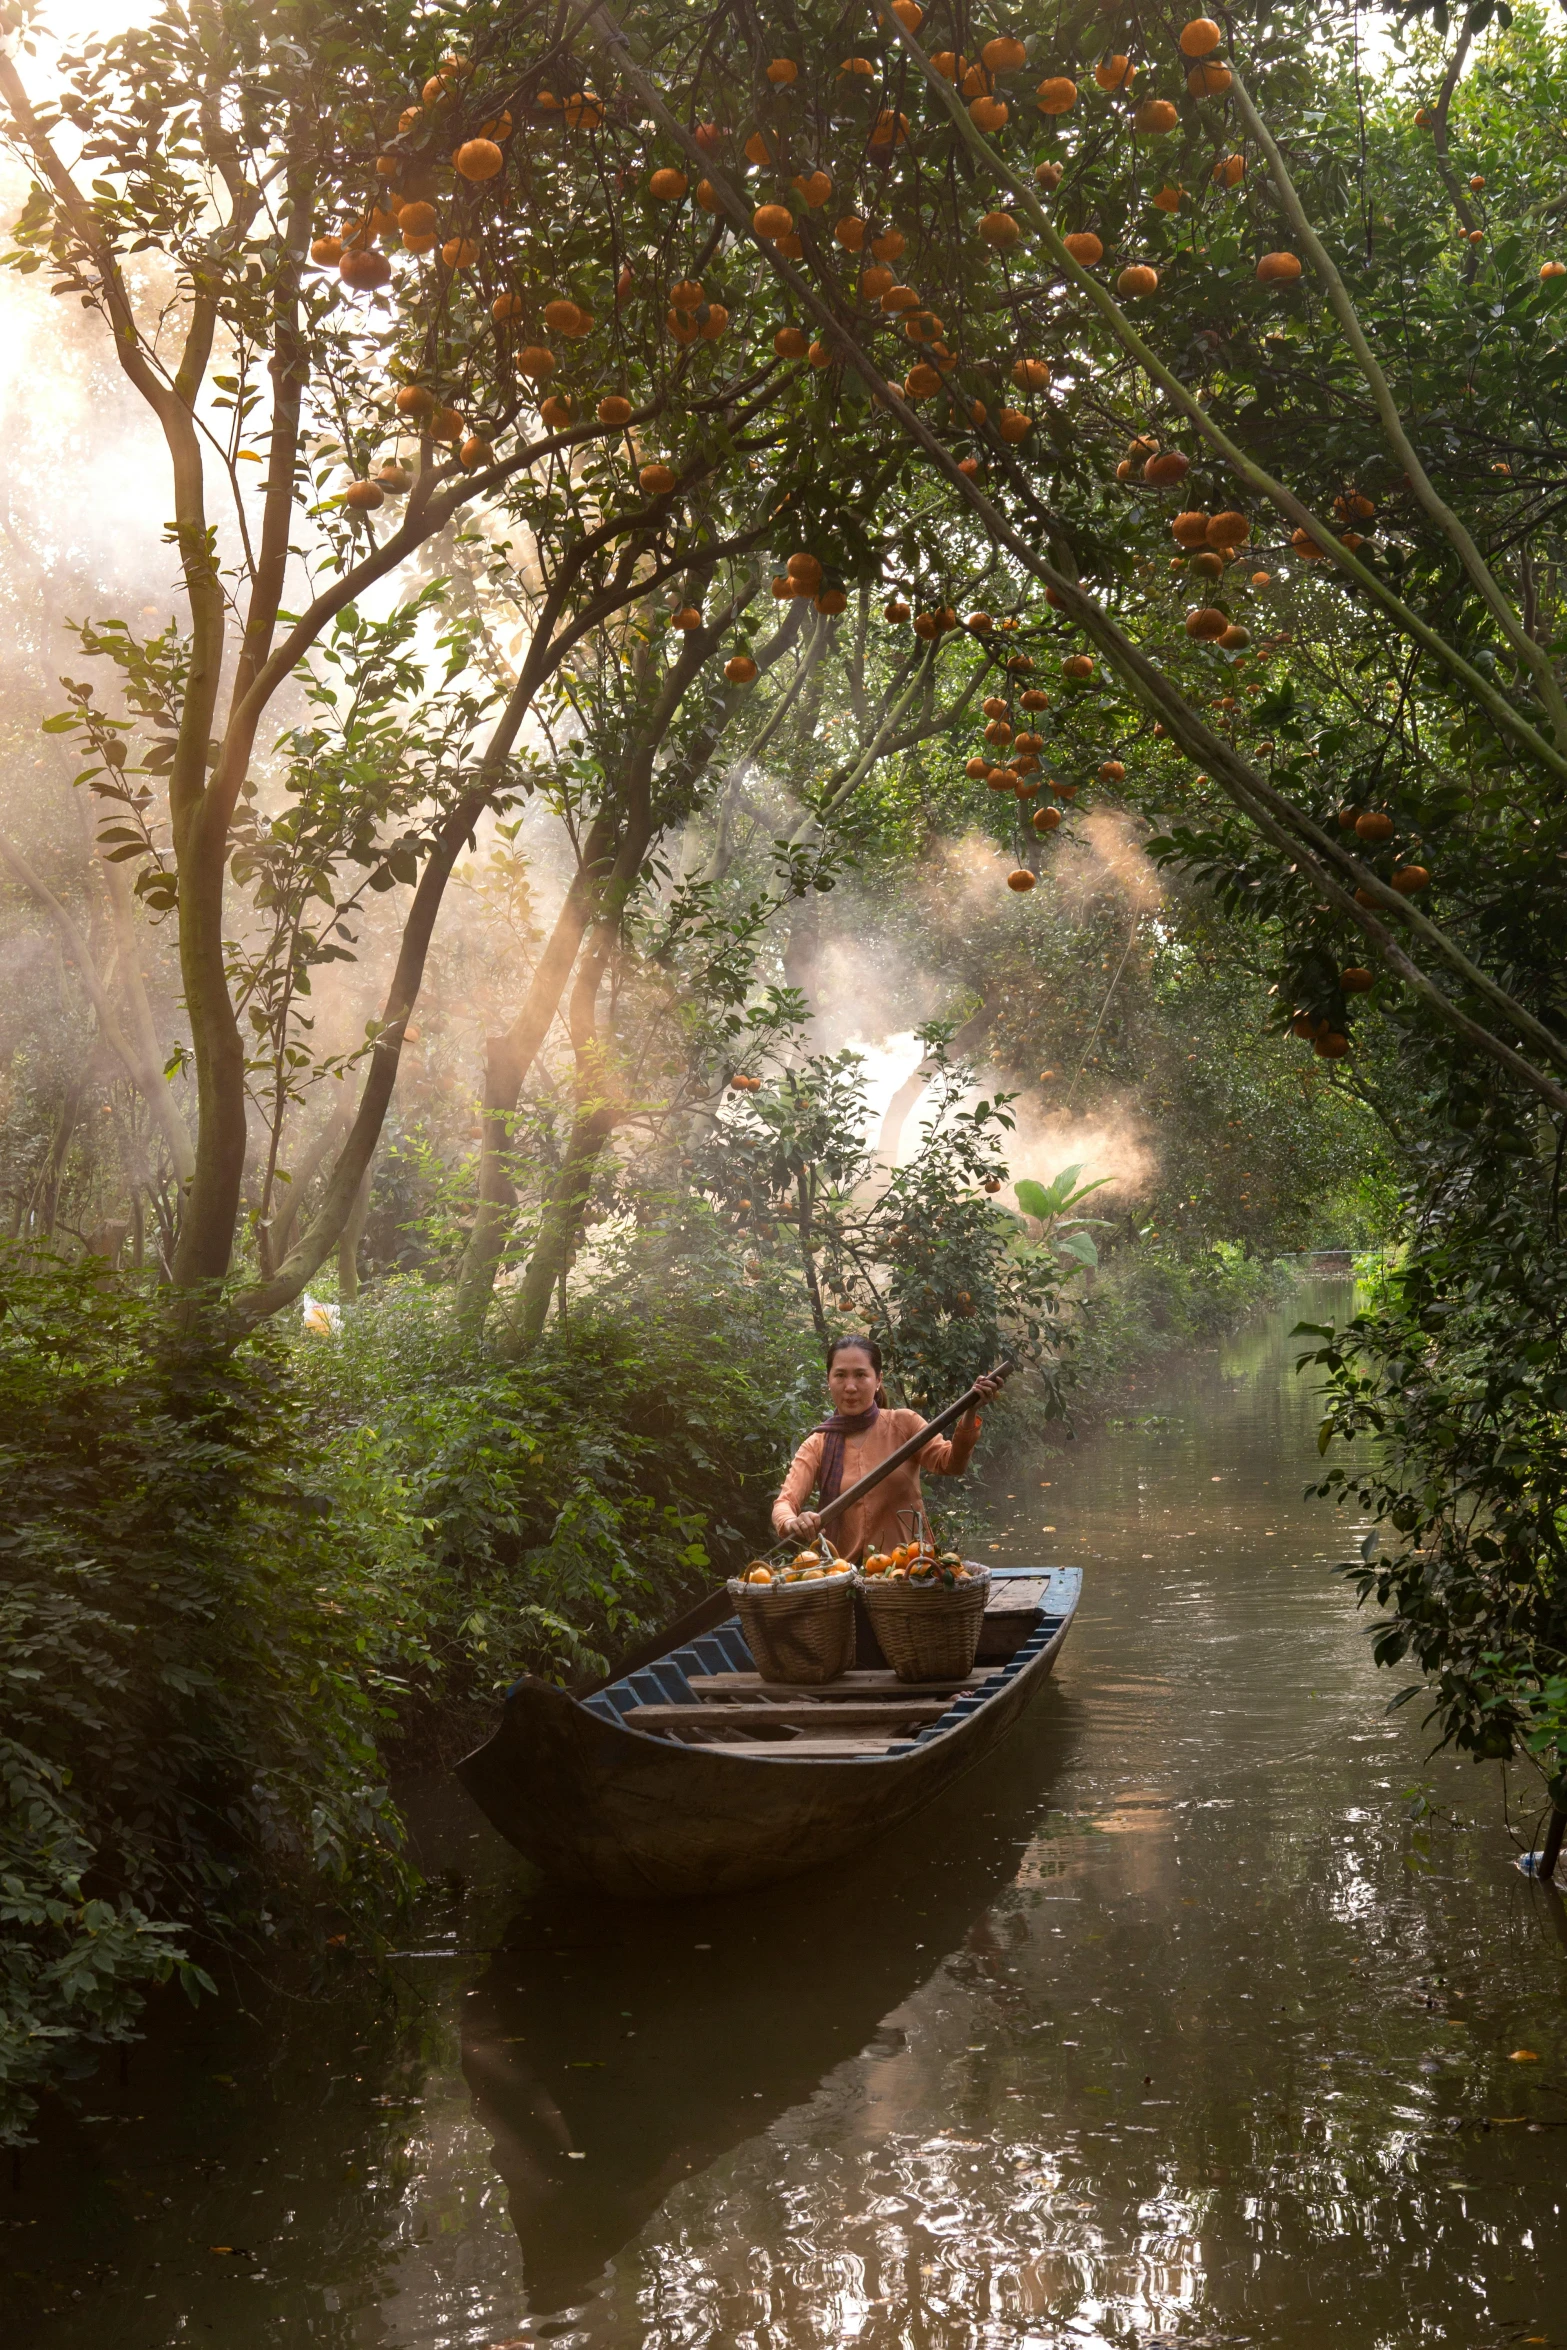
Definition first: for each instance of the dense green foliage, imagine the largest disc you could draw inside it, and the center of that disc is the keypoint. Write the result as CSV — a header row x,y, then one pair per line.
x,y
205,1623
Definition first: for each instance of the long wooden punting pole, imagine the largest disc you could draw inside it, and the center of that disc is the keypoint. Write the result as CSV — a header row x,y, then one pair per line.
x,y
717,1605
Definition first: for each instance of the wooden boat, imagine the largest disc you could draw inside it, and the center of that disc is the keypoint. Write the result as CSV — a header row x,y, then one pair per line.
x,y
691,1775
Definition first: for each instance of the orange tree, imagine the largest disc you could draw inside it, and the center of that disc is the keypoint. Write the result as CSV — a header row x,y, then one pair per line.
x,y
374,284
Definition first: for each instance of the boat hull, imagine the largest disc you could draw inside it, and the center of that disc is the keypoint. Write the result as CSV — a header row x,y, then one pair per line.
x,y
591,1799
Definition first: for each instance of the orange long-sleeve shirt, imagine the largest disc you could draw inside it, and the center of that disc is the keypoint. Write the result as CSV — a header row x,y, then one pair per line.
x,y
873,1524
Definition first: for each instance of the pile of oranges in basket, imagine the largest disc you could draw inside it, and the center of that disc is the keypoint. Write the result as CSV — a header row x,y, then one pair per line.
x,y
913,1562
808,1567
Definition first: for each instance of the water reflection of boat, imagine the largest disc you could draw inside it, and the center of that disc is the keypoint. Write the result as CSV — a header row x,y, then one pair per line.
x,y
614,2053
689,1775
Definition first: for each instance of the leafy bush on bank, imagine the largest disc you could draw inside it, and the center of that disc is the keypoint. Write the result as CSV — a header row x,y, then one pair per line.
x,y
203,1626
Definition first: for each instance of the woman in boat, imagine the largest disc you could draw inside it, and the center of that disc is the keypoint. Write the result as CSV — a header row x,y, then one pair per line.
x,y
859,1432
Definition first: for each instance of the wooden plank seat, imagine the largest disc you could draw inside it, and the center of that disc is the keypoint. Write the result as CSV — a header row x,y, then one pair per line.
x,y
879,1683
846,1714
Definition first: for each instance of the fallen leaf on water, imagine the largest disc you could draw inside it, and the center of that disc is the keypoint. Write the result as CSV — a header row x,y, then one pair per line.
x,y
1523,2056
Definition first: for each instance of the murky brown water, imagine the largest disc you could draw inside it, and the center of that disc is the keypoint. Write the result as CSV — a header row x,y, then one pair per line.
x,y
1171,2026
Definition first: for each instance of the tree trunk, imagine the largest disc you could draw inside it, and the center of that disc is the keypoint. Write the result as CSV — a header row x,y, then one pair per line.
x,y
352,1234
965,1038
597,1110
507,1060
807,1257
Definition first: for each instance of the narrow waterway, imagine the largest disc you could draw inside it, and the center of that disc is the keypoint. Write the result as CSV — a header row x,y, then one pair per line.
x,y
1178,2023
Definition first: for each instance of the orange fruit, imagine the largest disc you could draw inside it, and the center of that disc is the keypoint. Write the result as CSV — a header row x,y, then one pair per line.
x,y
1278,269
1114,73
1154,117
668,186
1084,247
1000,230
1200,38
1137,280
740,670
479,159
1056,95
770,221
656,480
364,496
1206,625
1021,880
1209,81
364,271
612,409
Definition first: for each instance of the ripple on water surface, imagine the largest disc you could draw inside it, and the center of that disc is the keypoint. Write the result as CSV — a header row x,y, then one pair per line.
x,y
1171,2025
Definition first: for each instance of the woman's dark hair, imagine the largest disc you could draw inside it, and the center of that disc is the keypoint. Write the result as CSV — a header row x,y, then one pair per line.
x,y
866,1346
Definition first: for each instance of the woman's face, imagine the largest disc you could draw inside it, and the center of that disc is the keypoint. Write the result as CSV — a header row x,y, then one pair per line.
x,y
851,1382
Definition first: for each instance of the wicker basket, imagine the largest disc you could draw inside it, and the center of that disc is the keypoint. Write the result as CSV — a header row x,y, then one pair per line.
x,y
927,1631
798,1631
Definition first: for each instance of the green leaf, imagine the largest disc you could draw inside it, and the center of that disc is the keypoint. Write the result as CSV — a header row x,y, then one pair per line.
x,y
1079,1245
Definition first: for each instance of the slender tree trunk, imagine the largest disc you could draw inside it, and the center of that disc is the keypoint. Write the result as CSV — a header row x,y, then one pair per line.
x,y
965,1039
597,1110
48,1210
507,1060
807,1257
352,1234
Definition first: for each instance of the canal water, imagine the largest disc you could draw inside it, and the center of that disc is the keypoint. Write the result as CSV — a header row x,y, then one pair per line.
x,y
1212,2011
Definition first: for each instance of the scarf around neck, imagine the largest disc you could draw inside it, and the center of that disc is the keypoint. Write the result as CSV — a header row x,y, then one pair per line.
x,y
836,1426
